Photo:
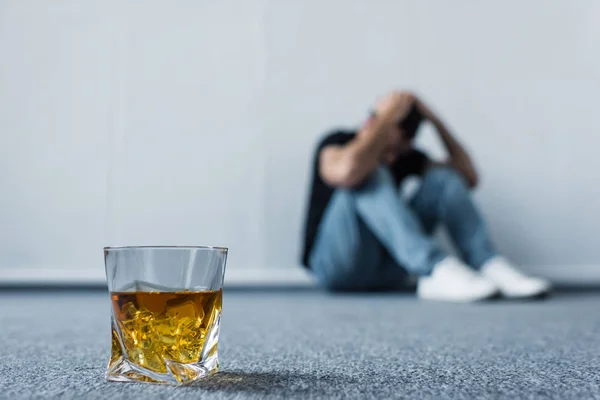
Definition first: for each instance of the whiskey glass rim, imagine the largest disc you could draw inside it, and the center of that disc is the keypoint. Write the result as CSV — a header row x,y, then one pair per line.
x,y
165,247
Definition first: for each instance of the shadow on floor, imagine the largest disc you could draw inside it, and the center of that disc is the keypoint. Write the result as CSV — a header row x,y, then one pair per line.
x,y
285,382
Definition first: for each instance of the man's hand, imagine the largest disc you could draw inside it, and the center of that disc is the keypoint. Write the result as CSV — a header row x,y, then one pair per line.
x,y
394,106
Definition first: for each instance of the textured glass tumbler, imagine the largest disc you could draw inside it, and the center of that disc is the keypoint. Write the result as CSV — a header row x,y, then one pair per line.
x,y
166,309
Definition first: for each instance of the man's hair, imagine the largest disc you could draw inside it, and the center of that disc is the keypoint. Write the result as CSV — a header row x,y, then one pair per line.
x,y
410,124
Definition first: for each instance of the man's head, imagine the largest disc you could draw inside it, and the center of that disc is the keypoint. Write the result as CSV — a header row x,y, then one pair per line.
x,y
398,143
401,136
411,122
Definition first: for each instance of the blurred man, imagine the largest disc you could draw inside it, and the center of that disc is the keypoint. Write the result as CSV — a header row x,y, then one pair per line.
x,y
361,234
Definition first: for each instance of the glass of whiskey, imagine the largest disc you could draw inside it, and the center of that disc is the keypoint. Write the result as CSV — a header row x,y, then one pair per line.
x,y
166,306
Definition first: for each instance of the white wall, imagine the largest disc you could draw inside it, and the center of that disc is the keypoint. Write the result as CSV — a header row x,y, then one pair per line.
x,y
203,114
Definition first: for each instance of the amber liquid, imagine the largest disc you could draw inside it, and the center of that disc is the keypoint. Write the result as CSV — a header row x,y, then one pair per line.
x,y
158,327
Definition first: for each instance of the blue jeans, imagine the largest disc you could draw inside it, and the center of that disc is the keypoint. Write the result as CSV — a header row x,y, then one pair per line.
x,y
370,238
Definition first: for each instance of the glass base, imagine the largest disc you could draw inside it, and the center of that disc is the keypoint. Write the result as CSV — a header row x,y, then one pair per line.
x,y
122,370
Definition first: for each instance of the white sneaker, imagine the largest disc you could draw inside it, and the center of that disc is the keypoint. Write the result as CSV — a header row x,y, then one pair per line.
x,y
452,280
513,283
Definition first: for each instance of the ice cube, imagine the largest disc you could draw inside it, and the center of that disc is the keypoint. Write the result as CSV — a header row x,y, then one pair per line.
x,y
144,327
166,329
187,326
181,310
128,310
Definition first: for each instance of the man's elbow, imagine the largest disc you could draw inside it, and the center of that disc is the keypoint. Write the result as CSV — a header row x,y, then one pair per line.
x,y
346,175
472,180
350,180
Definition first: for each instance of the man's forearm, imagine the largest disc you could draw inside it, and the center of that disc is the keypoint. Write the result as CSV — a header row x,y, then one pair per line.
x,y
459,158
452,146
363,154
371,140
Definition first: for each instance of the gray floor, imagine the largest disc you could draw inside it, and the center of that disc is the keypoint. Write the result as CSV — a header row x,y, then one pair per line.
x,y
313,345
